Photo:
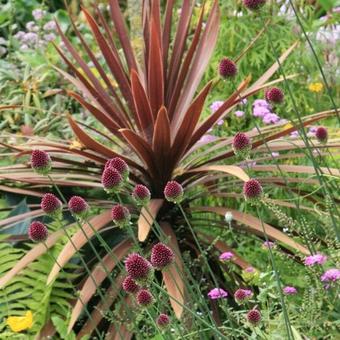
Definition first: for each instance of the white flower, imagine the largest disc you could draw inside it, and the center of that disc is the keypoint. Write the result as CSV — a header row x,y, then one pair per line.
x,y
228,217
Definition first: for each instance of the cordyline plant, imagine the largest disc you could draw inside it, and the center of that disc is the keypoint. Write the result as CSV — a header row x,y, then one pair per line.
x,y
151,118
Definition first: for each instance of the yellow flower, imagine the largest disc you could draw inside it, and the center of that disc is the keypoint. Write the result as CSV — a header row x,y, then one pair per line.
x,y
251,275
315,87
75,144
20,323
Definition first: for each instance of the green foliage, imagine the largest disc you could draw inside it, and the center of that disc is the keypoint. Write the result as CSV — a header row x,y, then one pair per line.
x,y
28,290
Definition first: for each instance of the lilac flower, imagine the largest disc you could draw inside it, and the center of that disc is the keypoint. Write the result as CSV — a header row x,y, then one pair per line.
x,y
268,244
24,48
315,259
19,35
50,26
247,164
217,293
283,121
220,122
271,118
239,113
49,37
289,290
260,111
32,27
261,102
331,275
294,134
226,256
38,13
275,154
207,138
244,101
216,105
30,37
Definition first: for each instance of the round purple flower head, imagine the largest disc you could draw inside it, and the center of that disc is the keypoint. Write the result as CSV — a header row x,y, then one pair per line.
x,y
321,134
254,317
331,275
141,194
130,286
51,205
173,192
78,206
226,256
138,268
315,259
217,293
163,321
120,165
120,215
37,231
254,5
274,95
144,298
289,290
161,256
242,295
241,145
252,190
227,68
112,180
41,162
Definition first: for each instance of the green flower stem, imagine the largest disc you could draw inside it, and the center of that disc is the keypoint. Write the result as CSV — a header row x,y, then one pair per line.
x,y
74,290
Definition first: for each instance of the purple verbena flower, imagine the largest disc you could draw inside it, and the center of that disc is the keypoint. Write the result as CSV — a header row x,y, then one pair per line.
x,y
216,105
331,275
271,118
217,293
226,256
38,13
239,113
289,290
315,259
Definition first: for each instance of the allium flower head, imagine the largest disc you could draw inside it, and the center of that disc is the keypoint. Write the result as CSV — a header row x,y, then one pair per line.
x,y
241,145
120,215
51,205
163,321
141,194
226,256
161,256
228,217
112,180
289,290
331,275
254,5
321,134
120,165
227,68
173,192
41,162
37,231
130,286
315,259
217,293
274,95
144,298
252,190
254,317
138,268
242,295
78,206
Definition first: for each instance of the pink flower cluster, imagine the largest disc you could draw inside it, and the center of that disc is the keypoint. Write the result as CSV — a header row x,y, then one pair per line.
x,y
263,110
315,259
